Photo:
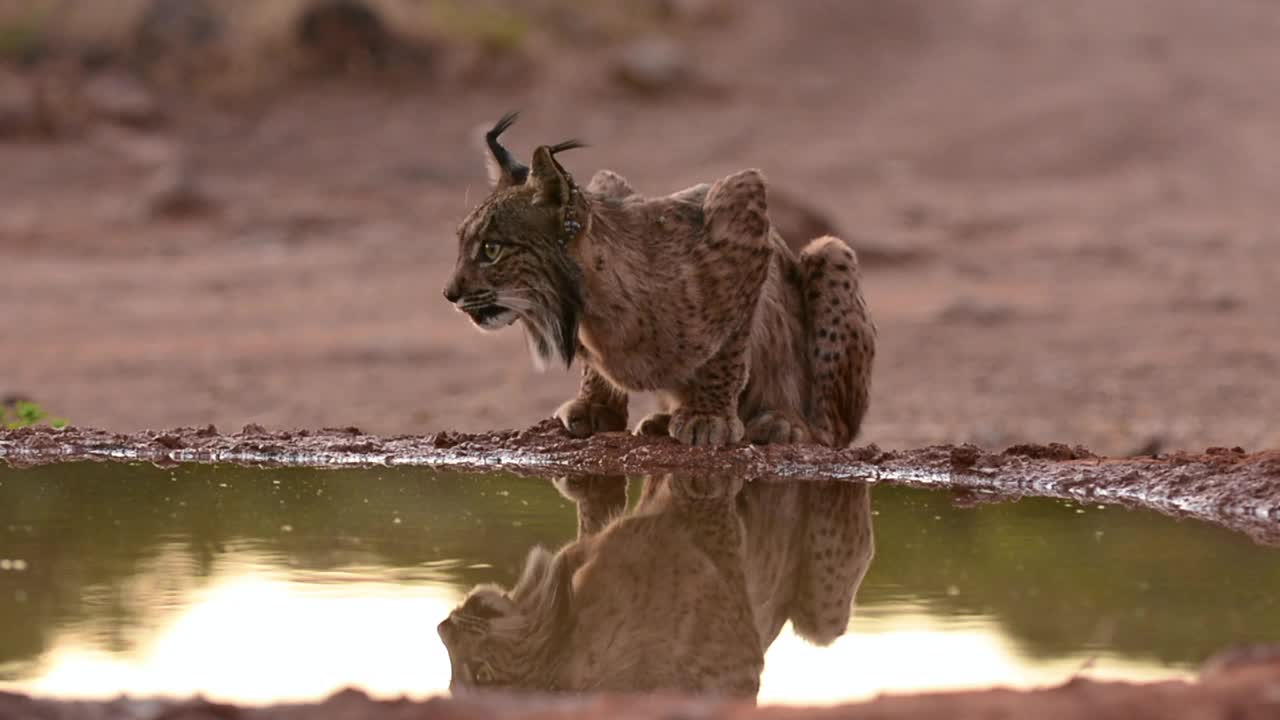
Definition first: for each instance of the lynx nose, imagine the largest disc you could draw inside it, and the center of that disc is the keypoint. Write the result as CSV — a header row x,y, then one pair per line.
x,y
453,291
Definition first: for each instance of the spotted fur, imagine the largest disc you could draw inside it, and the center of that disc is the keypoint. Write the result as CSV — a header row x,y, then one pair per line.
x,y
693,296
685,593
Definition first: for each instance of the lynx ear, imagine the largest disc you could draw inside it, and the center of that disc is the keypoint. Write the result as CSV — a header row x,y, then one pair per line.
x,y
552,183
504,169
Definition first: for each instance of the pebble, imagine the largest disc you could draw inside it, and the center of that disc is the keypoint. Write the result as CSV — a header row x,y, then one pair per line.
x,y
121,98
653,65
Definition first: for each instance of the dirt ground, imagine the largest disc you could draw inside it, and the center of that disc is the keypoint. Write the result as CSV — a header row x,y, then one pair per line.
x,y
1066,213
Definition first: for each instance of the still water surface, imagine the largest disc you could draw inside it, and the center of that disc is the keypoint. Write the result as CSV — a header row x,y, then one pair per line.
x,y
257,585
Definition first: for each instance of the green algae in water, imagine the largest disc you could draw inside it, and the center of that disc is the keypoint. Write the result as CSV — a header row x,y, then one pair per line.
x,y
260,585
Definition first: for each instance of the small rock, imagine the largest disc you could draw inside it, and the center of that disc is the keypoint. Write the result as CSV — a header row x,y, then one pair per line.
x,y
1150,447
1218,302
175,192
881,253
171,441
868,454
338,35
696,12
170,26
797,220
799,223
654,65
977,312
443,440
964,457
121,98
177,41
367,447
1052,451
348,430
11,399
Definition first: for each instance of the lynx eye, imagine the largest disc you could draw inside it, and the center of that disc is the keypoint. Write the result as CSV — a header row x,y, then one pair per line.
x,y
491,251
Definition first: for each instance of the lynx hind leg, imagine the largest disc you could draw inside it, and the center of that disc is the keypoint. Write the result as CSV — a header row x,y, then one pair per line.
x,y
656,424
610,184
773,428
838,547
841,339
599,498
736,209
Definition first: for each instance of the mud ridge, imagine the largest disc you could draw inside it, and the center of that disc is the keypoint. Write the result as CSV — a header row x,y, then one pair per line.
x,y
1226,486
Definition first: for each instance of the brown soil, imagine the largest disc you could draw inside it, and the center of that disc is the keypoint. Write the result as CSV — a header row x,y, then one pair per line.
x,y
1066,212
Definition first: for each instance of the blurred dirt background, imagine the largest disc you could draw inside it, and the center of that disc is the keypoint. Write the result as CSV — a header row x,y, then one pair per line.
x,y
243,211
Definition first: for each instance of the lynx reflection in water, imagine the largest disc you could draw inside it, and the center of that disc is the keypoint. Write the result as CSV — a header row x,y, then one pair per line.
x,y
684,593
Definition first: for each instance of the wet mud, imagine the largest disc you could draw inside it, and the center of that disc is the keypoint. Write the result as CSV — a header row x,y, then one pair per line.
x,y
1226,486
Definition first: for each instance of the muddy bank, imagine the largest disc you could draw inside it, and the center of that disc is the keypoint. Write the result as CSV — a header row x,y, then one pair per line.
x,y
1247,692
1226,486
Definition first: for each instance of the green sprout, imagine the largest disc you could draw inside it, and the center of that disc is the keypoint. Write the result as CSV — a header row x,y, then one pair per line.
x,y
27,414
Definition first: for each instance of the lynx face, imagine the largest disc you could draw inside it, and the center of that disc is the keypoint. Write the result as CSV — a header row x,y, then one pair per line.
x,y
513,259
512,266
481,644
497,639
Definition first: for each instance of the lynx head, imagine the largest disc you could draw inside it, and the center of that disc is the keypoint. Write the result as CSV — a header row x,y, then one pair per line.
x,y
500,639
513,250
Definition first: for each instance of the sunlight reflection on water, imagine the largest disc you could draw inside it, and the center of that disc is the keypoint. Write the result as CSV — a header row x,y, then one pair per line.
x,y
254,635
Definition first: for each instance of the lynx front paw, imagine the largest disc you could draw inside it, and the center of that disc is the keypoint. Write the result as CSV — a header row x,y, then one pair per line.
x,y
705,429
583,418
706,486
776,429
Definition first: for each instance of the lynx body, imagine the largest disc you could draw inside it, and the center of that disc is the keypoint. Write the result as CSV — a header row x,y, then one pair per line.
x,y
692,295
683,594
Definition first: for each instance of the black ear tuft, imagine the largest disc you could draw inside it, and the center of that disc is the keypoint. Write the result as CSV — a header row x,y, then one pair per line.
x,y
549,177
504,169
573,144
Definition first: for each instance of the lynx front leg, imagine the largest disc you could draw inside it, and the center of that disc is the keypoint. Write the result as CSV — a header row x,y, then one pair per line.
x,y
708,410
599,407
600,500
737,258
